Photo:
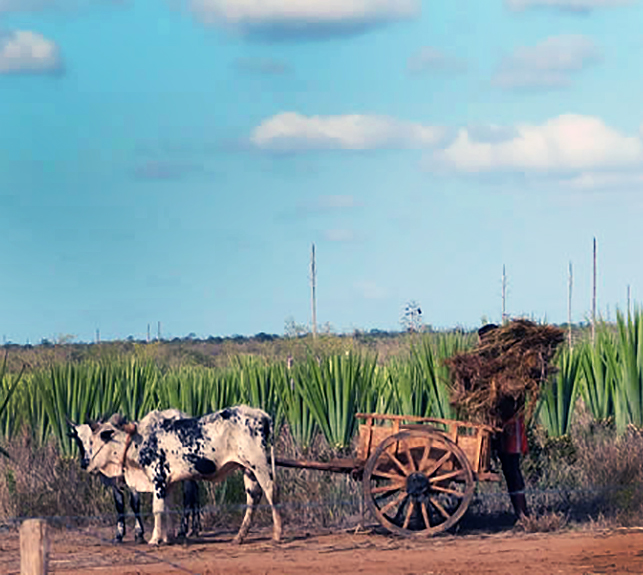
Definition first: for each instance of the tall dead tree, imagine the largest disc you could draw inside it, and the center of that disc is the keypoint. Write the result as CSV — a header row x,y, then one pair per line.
x,y
504,295
569,306
594,294
313,280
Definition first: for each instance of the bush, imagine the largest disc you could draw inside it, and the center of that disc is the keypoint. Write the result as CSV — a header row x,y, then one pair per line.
x,y
37,482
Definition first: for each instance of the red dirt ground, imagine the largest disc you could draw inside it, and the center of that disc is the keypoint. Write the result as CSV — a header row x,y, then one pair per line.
x,y
567,552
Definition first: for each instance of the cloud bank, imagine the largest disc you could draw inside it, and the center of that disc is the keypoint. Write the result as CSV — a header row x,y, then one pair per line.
x,y
302,19
566,143
549,64
290,131
26,52
580,6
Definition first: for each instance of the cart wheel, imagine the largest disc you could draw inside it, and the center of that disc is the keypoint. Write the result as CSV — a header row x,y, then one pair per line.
x,y
418,483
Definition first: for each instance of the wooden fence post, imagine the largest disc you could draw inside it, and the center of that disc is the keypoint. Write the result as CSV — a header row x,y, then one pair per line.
x,y
34,547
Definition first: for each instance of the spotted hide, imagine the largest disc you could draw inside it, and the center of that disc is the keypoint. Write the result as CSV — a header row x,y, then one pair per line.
x,y
155,457
190,521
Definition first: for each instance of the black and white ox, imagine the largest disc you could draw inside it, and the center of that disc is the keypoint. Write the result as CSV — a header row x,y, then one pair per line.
x,y
206,448
82,436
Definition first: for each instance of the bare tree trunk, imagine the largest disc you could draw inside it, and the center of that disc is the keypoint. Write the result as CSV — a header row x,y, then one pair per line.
x,y
569,307
594,296
313,303
504,295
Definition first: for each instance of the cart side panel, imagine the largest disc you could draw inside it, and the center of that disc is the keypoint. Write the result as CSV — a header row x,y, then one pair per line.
x,y
370,436
471,445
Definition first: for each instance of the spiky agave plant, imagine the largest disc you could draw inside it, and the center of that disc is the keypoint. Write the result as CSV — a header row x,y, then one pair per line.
x,y
72,391
599,366
259,384
335,389
428,358
559,395
628,397
297,414
8,386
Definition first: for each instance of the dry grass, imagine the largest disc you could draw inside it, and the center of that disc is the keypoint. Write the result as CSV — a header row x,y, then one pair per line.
x,y
542,522
37,482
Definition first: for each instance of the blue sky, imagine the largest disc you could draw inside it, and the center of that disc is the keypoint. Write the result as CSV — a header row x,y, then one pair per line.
x,y
173,161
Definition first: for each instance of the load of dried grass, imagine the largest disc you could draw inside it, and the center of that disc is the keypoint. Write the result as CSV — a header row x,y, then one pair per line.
x,y
503,375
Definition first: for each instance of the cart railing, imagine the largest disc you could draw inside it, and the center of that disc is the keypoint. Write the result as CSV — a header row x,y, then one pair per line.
x,y
473,438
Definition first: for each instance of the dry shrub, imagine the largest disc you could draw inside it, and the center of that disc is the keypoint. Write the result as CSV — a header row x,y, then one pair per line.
x,y
611,465
593,473
37,482
312,499
542,522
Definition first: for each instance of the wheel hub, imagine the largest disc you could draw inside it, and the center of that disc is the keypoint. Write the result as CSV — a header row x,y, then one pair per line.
x,y
417,485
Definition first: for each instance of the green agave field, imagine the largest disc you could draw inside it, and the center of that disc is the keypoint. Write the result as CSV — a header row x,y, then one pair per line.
x,y
322,393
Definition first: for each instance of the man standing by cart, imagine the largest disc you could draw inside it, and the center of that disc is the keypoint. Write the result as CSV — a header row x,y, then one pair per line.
x,y
511,443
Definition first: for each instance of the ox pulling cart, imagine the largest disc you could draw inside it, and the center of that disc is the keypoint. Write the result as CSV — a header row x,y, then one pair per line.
x,y
418,473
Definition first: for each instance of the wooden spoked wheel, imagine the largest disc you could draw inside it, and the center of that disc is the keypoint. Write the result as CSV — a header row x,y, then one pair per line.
x,y
418,483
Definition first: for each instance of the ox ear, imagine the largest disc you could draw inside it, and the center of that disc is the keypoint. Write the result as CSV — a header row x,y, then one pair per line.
x,y
71,428
117,420
93,425
106,435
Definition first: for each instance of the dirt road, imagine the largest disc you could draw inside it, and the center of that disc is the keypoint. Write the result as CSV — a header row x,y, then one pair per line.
x,y
506,553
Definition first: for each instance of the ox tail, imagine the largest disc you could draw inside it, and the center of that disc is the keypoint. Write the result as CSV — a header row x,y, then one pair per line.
x,y
272,450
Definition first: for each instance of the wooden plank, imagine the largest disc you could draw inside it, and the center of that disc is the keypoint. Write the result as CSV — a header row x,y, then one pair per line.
x,y
334,465
447,422
34,547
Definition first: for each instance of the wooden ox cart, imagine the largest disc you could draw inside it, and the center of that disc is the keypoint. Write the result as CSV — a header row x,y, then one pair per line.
x,y
418,473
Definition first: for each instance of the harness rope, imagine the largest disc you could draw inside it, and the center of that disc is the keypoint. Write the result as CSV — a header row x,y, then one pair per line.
x,y
130,429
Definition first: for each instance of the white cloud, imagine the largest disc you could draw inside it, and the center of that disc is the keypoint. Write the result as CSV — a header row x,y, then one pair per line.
x,y
282,19
430,59
26,52
566,5
567,143
606,180
491,133
290,131
549,64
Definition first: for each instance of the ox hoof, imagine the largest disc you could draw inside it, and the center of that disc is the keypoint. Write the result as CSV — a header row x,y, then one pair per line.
x,y
117,540
237,541
139,539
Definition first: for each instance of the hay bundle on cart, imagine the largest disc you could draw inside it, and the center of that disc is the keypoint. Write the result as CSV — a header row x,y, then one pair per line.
x,y
507,368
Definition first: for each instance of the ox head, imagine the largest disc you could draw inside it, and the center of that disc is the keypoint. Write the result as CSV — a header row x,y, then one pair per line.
x,y
103,444
82,435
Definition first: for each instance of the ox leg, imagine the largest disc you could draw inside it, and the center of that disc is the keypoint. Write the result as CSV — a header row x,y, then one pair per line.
x,y
135,504
119,502
190,508
265,479
253,496
159,535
